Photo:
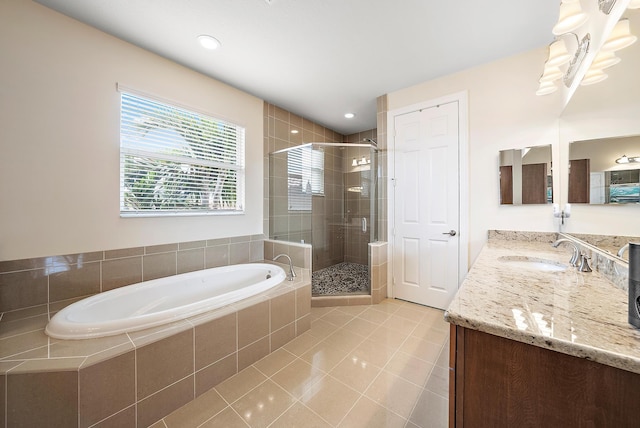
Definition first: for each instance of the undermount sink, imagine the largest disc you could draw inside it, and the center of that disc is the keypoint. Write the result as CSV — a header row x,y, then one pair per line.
x,y
533,263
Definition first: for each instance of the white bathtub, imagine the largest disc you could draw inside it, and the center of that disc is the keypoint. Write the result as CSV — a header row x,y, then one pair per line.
x,y
160,301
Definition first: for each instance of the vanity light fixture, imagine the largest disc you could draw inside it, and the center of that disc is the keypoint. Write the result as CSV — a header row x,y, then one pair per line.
x,y
546,88
571,17
604,60
558,54
551,74
624,159
606,6
363,161
208,42
593,76
620,37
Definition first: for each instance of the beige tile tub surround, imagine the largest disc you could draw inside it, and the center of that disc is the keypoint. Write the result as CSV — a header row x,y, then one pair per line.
x,y
134,379
156,370
45,280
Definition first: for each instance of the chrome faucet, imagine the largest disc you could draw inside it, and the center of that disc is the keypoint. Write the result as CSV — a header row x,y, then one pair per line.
x,y
292,274
584,263
622,250
576,254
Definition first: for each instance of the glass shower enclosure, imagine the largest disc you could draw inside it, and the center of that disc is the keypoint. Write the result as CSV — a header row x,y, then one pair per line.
x,y
325,194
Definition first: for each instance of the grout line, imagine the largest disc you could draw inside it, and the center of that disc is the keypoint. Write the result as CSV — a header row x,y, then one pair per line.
x,y
111,415
193,370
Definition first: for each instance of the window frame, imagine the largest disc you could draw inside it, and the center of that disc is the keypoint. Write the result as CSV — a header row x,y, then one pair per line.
x,y
230,146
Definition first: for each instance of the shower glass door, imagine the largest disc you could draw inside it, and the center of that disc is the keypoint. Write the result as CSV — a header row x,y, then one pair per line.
x,y
325,194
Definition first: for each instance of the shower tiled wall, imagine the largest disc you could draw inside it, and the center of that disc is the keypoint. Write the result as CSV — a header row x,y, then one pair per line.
x,y
283,130
383,174
345,244
43,280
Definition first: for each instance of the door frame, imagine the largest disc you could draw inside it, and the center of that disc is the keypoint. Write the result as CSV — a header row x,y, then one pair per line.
x,y
463,174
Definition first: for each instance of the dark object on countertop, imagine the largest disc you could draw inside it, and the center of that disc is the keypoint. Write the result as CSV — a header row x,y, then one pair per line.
x,y
634,284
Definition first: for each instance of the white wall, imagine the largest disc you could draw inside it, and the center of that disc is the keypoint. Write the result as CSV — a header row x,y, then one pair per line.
x,y
504,113
59,137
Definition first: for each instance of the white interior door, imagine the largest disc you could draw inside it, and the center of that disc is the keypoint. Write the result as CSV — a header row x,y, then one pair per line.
x,y
426,206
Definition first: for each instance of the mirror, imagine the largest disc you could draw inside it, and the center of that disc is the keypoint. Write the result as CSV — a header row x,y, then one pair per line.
x,y
605,171
525,176
605,111
609,243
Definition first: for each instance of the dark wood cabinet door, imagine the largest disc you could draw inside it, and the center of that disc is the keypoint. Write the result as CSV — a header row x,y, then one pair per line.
x,y
499,382
506,185
579,181
534,183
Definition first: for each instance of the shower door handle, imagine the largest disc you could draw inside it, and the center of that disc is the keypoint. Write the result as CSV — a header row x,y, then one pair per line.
x,y
364,224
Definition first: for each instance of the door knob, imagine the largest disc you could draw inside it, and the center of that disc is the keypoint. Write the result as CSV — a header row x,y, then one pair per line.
x,y
451,232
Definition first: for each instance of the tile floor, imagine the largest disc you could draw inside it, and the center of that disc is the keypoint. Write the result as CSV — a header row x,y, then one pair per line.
x,y
358,366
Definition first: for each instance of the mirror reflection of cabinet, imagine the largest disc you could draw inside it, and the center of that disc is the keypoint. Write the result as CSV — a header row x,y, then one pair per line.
x,y
605,171
579,181
525,176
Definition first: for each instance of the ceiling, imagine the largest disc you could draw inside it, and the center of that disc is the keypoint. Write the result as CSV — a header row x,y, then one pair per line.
x,y
323,58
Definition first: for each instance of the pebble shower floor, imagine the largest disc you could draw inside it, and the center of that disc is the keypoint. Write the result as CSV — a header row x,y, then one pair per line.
x,y
343,278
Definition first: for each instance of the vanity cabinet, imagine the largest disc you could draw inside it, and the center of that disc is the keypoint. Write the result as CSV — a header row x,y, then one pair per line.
x,y
498,382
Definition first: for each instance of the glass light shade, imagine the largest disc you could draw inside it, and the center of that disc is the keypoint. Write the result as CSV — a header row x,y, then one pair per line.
x,y
623,159
546,88
571,17
558,54
604,60
354,163
620,37
551,74
593,76
634,4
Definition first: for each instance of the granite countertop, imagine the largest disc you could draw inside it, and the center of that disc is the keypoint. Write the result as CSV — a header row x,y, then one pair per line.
x,y
576,313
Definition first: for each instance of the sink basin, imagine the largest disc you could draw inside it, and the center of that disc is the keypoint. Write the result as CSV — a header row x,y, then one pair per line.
x,y
533,263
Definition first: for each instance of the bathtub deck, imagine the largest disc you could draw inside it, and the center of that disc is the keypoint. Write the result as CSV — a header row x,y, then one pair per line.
x,y
145,374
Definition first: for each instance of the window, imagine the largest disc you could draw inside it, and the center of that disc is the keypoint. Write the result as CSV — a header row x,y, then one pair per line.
x,y
174,161
305,171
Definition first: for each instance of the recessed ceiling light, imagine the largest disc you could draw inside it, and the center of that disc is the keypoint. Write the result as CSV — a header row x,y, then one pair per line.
x,y
208,42
349,115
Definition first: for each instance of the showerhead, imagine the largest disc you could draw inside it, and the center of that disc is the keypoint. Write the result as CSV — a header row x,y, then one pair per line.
x,y
370,140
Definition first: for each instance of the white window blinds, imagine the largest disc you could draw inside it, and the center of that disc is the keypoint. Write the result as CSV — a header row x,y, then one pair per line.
x,y
174,161
305,170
